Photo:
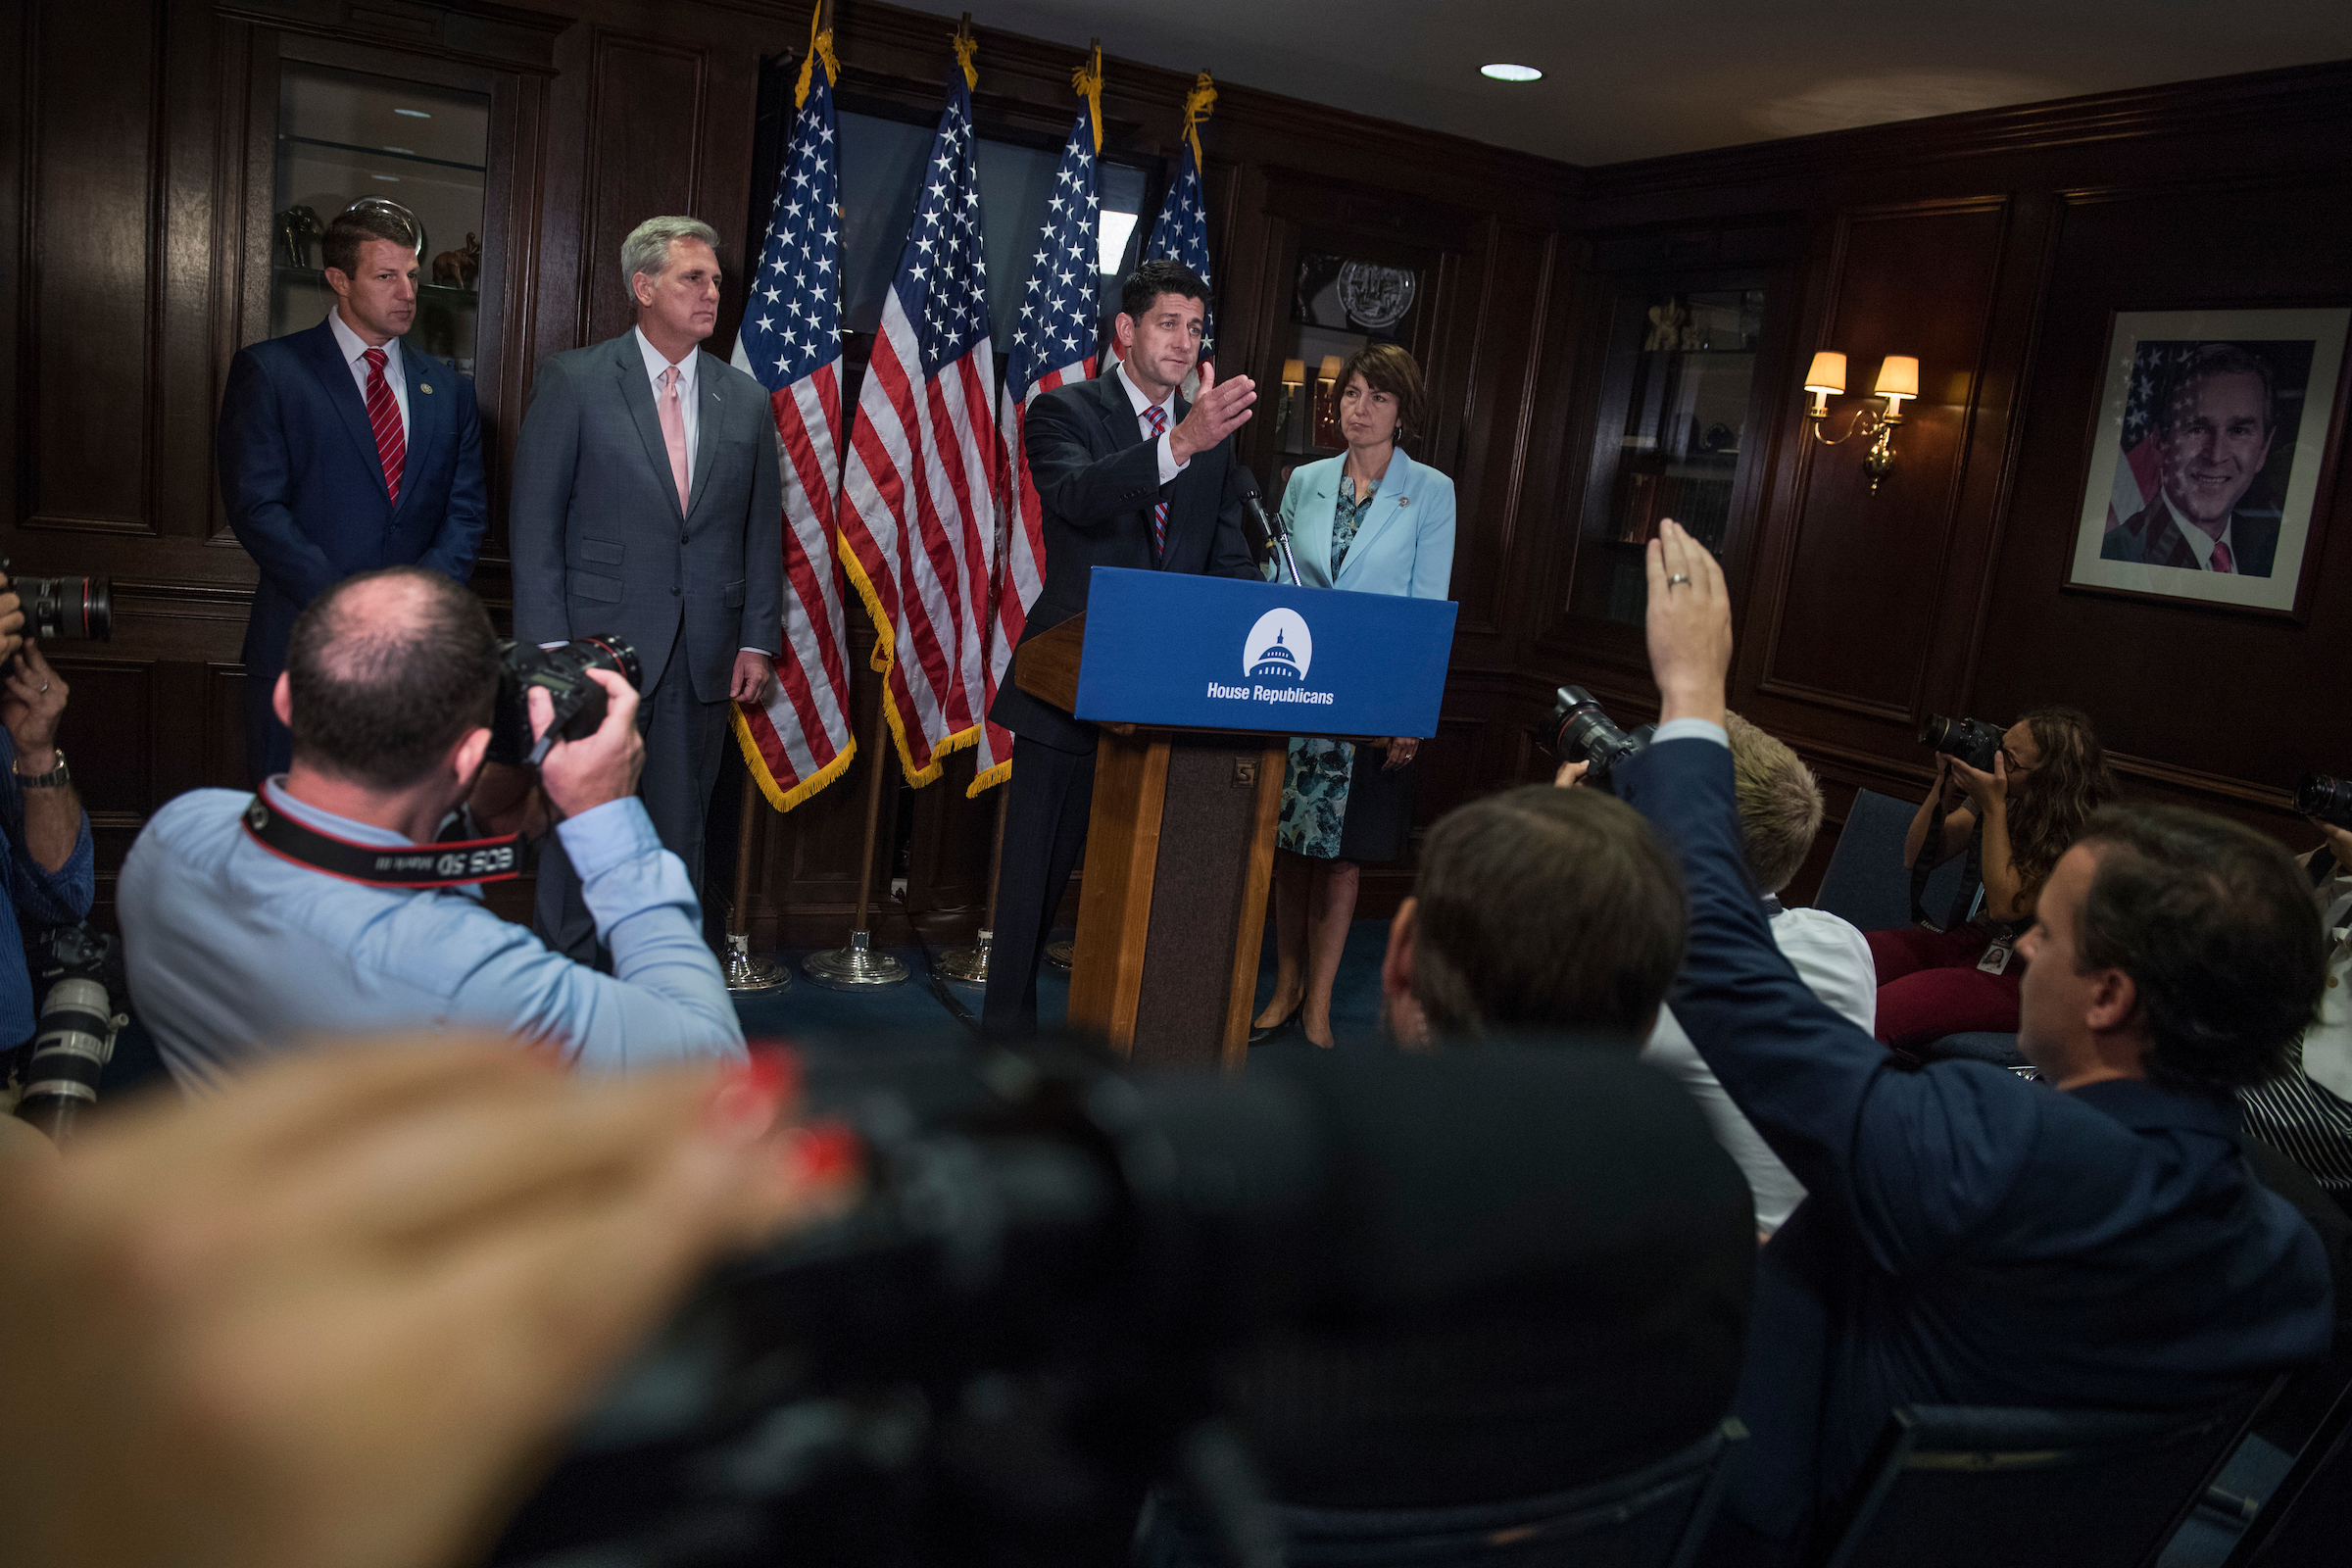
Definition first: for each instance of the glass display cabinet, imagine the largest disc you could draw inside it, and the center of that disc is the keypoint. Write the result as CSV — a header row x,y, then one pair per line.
x,y
1340,300
1678,415
344,136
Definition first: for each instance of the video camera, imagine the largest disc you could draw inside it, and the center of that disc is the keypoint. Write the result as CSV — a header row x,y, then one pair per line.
x,y
1020,1330
1967,740
562,673
1580,731
2327,797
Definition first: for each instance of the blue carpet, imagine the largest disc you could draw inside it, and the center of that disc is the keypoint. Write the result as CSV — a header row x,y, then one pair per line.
x,y
808,1012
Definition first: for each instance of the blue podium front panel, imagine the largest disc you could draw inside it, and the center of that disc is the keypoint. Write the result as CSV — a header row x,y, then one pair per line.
x,y
1219,653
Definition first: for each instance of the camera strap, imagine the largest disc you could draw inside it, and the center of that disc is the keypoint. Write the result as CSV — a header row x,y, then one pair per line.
x,y
447,863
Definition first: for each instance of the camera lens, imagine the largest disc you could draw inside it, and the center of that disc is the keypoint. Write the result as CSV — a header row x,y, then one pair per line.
x,y
1937,732
2325,796
66,608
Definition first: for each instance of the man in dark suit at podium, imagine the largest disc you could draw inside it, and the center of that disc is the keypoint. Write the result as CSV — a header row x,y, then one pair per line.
x,y
1128,474
344,448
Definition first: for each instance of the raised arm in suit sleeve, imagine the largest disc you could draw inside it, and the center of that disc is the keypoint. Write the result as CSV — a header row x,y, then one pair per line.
x,y
1433,543
764,547
1083,490
546,458
466,516
1917,1159
256,475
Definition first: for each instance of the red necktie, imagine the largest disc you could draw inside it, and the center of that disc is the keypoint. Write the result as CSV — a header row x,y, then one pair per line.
x,y
383,415
2220,556
1159,513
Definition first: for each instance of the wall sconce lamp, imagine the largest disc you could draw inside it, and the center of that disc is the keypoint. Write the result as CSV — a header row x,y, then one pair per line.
x,y
1294,376
1898,378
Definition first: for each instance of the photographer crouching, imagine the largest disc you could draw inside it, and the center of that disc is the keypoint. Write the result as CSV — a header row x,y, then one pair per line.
x,y
256,924
44,834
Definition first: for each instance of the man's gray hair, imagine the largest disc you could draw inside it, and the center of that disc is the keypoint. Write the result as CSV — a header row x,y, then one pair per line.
x,y
647,249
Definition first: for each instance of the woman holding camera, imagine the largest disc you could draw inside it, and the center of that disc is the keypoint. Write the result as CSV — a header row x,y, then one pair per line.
x,y
1373,522
2049,774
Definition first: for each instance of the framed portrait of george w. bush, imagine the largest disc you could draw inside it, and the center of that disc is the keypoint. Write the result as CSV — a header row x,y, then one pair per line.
x,y
2207,454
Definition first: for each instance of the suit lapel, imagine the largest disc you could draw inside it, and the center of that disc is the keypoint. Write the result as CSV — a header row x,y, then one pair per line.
x,y
343,393
426,422
1310,531
1386,506
711,407
637,391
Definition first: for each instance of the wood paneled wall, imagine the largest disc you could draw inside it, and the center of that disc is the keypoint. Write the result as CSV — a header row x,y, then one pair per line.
x,y
135,217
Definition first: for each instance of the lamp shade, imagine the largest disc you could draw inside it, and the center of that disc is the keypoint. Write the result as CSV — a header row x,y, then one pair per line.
x,y
1330,367
1898,377
1827,374
1294,372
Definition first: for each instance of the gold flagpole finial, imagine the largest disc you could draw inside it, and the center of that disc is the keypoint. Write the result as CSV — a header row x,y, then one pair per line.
x,y
820,47
967,46
1087,80
1196,106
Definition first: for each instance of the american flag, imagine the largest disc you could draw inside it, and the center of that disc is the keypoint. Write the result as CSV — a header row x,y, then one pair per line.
x,y
919,517
1181,232
1052,343
2155,366
791,342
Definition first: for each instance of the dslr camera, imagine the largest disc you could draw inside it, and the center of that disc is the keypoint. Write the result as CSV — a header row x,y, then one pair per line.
x,y
1580,731
562,673
65,609
2327,797
74,1039
1966,740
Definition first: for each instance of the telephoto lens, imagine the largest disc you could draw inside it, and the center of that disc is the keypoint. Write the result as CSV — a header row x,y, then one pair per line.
x,y
562,673
2327,797
66,608
71,1047
1967,740
1581,731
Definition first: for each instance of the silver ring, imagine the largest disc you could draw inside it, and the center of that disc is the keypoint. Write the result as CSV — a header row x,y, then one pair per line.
x,y
1678,579
44,688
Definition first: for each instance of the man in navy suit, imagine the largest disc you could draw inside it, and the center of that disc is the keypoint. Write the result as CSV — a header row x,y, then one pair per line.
x,y
1128,474
2092,1241
342,449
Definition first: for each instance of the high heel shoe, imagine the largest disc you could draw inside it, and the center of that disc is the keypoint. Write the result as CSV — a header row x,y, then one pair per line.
x,y
1287,1022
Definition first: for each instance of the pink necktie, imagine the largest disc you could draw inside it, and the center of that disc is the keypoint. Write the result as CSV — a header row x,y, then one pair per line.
x,y
673,431
2220,556
1159,513
383,417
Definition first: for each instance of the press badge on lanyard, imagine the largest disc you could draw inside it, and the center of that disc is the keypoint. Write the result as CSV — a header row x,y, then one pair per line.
x,y
1997,956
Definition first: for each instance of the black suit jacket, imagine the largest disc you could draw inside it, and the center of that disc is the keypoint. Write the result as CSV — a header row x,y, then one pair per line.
x,y
2151,539
1098,481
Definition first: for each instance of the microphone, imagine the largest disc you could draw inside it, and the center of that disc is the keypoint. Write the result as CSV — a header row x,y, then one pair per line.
x,y
1267,535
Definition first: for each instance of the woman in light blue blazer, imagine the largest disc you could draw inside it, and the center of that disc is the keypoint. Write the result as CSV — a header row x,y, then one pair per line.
x,y
1371,522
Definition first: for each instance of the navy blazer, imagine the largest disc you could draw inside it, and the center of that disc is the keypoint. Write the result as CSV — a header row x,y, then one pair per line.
x,y
305,488
1096,481
1970,1238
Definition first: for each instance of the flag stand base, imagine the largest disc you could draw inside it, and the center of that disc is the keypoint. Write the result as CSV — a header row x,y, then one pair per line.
x,y
748,976
1062,956
967,966
856,968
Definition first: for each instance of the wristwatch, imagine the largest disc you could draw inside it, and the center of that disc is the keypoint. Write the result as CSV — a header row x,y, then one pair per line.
x,y
57,778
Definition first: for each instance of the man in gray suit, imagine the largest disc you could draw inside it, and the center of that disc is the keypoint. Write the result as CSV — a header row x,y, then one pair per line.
x,y
649,506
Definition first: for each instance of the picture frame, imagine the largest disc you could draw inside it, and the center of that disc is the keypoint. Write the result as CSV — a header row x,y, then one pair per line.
x,y
2187,497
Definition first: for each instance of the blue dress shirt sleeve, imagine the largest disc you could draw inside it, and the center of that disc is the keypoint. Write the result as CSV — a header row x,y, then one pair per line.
x,y
665,999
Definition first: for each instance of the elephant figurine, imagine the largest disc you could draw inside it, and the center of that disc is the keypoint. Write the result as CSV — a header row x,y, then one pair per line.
x,y
459,269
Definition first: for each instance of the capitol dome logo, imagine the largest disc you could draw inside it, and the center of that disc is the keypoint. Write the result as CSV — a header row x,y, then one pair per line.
x,y
1278,648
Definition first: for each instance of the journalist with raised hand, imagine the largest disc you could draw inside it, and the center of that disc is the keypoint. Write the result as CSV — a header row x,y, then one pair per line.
x,y
1970,1238
343,896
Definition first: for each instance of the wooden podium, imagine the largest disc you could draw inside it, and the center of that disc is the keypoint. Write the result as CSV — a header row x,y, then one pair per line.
x,y
1179,856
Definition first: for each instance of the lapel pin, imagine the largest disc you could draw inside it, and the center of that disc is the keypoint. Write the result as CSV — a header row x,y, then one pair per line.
x,y
1405,500
426,387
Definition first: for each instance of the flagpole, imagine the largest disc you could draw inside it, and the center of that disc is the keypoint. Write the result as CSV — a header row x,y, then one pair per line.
x,y
969,965
748,976
857,967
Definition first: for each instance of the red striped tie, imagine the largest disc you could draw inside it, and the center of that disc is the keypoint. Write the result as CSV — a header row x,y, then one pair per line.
x,y
2221,558
1159,513
383,415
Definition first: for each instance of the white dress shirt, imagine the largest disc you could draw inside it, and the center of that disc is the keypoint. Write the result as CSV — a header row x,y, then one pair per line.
x,y
353,347
2327,1044
688,407
1169,468
1833,959
2201,543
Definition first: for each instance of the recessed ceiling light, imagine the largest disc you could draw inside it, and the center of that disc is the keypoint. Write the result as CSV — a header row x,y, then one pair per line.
x,y
413,114
1511,72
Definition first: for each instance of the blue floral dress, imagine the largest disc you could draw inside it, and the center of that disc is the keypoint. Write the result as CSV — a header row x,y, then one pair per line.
x,y
1314,786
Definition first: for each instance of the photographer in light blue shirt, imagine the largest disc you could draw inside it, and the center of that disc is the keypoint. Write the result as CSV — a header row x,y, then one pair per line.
x,y
235,949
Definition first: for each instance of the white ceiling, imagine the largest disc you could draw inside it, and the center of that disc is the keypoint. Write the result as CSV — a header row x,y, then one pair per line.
x,y
1640,79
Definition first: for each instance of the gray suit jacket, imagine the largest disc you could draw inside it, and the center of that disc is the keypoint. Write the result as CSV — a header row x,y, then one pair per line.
x,y
600,547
